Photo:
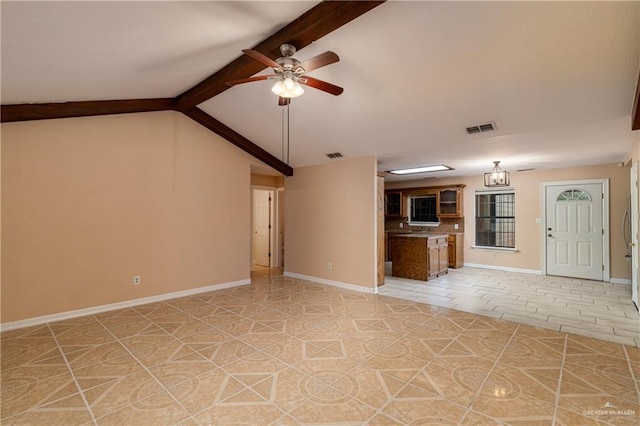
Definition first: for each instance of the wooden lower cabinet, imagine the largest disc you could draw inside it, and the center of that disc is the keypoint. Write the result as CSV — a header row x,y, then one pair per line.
x,y
418,257
409,258
438,256
456,250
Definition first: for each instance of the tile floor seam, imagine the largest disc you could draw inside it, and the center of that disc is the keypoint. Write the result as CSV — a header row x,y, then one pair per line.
x,y
73,376
559,386
146,369
361,363
423,370
293,366
226,333
636,380
493,367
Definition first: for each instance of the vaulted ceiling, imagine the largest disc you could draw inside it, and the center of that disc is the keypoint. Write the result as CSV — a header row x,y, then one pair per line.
x,y
558,79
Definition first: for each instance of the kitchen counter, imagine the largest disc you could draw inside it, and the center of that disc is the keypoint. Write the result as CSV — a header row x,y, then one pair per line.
x,y
419,255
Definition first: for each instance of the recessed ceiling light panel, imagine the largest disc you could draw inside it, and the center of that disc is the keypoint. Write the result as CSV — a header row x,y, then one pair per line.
x,y
424,169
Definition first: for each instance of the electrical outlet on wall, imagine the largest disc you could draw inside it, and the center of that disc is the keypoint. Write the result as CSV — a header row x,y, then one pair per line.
x,y
136,280
329,266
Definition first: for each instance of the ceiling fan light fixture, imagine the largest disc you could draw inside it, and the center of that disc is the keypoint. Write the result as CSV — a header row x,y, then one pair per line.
x,y
287,87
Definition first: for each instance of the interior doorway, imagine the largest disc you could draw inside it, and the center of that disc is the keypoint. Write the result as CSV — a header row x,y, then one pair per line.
x,y
267,225
576,229
261,241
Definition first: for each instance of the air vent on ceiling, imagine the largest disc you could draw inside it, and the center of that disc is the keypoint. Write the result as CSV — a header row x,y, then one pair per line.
x,y
481,128
524,170
334,155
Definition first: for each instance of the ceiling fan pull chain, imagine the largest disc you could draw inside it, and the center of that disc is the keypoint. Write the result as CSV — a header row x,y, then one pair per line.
x,y
282,144
288,132
284,151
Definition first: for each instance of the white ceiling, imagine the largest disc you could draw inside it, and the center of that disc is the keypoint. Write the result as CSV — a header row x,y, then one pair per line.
x,y
557,78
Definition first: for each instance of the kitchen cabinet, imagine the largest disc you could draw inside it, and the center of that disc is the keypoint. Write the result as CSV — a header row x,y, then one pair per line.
x,y
449,203
418,256
387,247
455,244
393,204
438,256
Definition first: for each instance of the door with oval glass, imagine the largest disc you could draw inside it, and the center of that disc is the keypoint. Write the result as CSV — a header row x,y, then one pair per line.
x,y
574,234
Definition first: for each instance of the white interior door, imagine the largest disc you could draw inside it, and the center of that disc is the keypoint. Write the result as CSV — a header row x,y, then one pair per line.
x,y
574,234
634,235
261,227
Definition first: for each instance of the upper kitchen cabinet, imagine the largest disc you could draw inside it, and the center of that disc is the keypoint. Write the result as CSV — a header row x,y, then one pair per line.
x,y
449,202
393,204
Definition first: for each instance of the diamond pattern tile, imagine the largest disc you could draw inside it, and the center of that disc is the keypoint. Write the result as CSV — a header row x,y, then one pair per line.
x,y
285,351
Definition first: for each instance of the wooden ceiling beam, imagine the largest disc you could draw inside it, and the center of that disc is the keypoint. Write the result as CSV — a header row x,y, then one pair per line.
x,y
309,27
635,112
47,111
317,22
237,139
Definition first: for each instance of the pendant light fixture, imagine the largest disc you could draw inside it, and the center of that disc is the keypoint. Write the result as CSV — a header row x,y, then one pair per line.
x,y
496,177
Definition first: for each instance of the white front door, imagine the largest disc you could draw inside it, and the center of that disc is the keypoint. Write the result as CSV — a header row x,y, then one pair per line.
x,y
574,234
261,227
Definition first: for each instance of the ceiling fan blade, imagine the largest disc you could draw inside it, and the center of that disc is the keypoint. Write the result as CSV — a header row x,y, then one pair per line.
x,y
283,101
250,79
320,85
261,58
321,60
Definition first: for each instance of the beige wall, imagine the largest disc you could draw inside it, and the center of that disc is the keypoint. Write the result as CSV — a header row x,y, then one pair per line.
x,y
528,208
330,214
88,203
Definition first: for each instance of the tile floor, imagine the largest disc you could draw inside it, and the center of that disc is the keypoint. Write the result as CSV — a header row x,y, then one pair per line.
x,y
287,351
584,307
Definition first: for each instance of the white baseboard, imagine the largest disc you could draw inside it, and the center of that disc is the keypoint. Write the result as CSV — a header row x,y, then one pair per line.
x,y
534,272
371,290
29,322
504,268
625,281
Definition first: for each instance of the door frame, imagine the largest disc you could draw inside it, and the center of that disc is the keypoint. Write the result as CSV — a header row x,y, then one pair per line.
x,y
274,215
633,221
606,261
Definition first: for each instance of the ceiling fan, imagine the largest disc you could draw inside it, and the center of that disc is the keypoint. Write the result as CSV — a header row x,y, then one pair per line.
x,y
291,73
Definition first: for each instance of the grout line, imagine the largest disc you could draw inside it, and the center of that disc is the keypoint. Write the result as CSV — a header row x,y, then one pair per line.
x,y
146,369
470,407
264,350
636,380
73,376
558,388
